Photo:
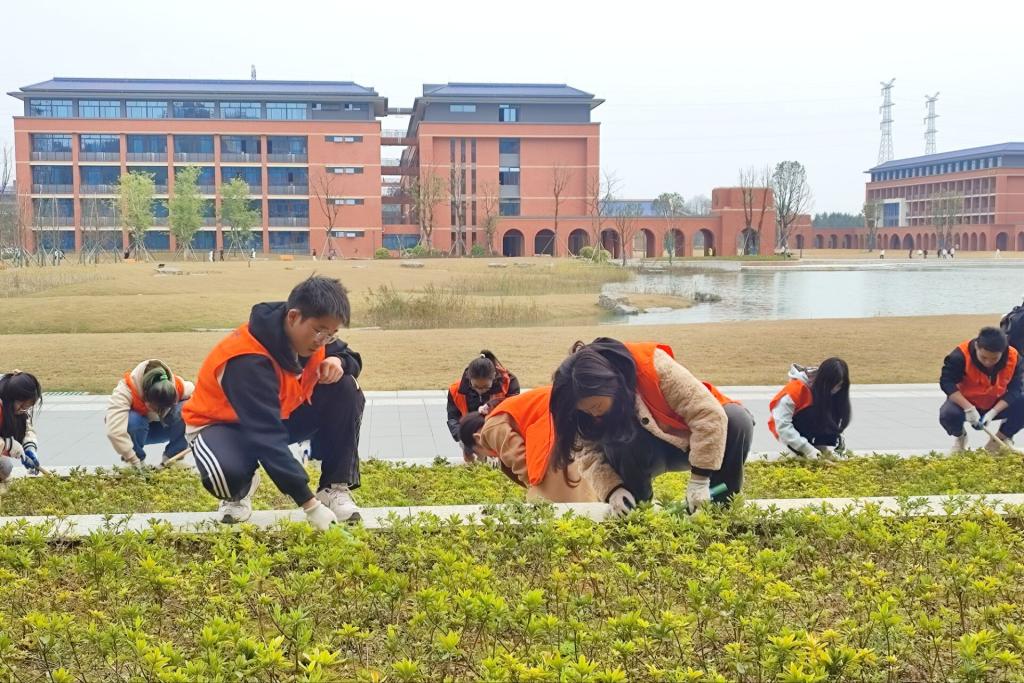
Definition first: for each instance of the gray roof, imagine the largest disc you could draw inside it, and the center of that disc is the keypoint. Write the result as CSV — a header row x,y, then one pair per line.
x,y
506,90
956,155
189,86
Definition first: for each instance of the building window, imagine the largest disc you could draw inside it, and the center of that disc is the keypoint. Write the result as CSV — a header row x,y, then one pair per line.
x,y
193,144
147,144
508,113
99,175
349,106
145,109
53,208
344,138
348,201
345,170
100,143
289,241
52,175
286,111
286,145
252,175
99,109
51,142
159,174
508,146
50,108
192,109
508,207
240,110
288,208
508,175
205,179
239,144
287,176
462,108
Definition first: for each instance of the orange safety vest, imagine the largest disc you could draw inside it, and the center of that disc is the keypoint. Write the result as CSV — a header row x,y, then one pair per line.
x,y
649,387
210,405
459,399
801,395
977,386
531,413
139,403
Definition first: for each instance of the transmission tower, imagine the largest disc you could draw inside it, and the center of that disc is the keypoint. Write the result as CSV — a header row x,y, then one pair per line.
x,y
885,146
252,72
929,133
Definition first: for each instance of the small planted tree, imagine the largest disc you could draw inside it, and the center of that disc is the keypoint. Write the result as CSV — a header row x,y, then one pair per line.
x,y
427,192
135,206
670,205
561,176
185,210
238,214
792,198
947,210
626,218
491,215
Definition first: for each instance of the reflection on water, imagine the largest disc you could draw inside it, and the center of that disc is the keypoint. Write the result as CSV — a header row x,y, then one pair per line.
x,y
788,294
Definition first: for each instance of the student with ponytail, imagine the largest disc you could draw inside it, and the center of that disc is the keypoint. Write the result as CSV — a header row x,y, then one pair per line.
x,y
484,384
145,409
19,394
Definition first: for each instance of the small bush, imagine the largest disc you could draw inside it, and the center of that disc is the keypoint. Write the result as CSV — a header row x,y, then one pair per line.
x,y
478,251
435,307
421,251
595,254
382,253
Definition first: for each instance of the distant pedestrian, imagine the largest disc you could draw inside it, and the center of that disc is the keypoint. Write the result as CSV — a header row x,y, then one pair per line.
x,y
925,252
881,254
209,256
221,254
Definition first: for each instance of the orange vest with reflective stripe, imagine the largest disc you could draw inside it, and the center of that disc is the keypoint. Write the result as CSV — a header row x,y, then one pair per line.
x,y
459,399
531,413
138,403
649,387
801,395
209,404
977,386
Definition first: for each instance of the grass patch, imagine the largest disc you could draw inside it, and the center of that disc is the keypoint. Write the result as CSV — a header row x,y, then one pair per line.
x,y
561,277
24,282
436,307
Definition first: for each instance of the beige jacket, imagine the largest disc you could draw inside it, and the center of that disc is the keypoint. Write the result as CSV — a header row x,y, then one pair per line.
x,y
120,407
691,400
500,436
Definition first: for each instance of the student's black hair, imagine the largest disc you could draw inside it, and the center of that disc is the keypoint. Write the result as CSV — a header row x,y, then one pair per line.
x,y
992,339
158,389
585,373
318,297
469,426
484,366
17,386
833,410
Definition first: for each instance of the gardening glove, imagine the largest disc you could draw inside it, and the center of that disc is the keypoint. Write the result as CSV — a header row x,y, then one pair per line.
x,y
621,501
484,409
973,417
698,493
808,450
320,516
30,461
133,460
989,418
12,448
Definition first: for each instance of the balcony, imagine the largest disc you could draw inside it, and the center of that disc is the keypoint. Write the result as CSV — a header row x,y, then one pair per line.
x,y
288,189
287,158
98,189
147,156
51,189
251,157
43,221
99,156
289,221
51,156
193,157
99,221
396,167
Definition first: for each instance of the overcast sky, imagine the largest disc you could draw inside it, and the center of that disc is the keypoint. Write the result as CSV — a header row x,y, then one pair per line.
x,y
692,93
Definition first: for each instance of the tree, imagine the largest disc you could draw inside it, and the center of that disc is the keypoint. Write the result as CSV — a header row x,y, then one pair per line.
x,y
561,176
601,190
946,210
491,215
792,198
872,216
327,189
838,219
185,209
457,198
135,206
699,205
96,214
9,220
625,218
753,183
670,205
427,192
237,212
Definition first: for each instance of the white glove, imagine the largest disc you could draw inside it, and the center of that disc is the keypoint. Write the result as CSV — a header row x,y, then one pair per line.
x,y
484,409
990,417
973,417
621,501
320,516
809,450
698,493
133,460
13,449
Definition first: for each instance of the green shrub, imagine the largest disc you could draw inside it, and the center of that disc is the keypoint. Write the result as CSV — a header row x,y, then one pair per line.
x,y
595,254
382,253
478,251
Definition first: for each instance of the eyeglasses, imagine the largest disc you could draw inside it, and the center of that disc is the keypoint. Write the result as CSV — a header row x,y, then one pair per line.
x,y
325,336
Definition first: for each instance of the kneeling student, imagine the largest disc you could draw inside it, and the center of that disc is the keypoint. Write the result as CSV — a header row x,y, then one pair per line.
x,y
145,409
810,413
19,394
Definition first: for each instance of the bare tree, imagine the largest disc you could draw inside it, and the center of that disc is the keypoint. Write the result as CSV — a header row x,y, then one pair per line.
x,y
625,217
491,214
753,183
946,210
427,192
561,176
601,191
8,205
327,189
46,222
457,199
872,221
792,198
699,205
670,206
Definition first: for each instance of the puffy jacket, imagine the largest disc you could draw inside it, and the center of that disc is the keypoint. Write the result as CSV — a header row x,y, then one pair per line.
x,y
119,406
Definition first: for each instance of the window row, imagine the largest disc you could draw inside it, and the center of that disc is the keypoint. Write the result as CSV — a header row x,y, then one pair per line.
x,y
185,109
90,143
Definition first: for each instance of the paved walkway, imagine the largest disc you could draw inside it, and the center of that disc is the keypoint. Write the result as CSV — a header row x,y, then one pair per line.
x,y
410,425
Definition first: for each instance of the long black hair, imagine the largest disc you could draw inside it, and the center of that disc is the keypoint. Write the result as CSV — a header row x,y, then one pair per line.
x,y
604,368
159,390
470,424
15,387
484,366
832,411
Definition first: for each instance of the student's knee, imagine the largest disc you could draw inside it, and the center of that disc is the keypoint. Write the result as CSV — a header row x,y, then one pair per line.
x,y
6,467
224,469
345,392
137,424
951,417
740,422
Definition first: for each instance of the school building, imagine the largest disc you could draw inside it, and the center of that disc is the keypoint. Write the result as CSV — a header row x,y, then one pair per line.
x,y
516,165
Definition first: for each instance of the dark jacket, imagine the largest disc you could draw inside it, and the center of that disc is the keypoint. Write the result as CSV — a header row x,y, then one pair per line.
x,y
955,366
250,384
475,400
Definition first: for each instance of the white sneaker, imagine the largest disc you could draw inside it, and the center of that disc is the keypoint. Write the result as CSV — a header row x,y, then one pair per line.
x,y
339,499
960,445
238,511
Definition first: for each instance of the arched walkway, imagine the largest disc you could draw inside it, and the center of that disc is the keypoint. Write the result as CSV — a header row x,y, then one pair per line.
x,y
833,242
847,241
974,242
704,243
819,242
1003,242
544,243
982,242
894,242
577,240
512,243
908,242
799,241
644,244
1020,242
610,243
748,243
675,241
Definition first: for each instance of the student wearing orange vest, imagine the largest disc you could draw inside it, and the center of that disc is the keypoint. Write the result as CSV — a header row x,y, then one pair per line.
x,y
629,412
281,378
484,384
20,393
810,413
520,434
982,379
145,409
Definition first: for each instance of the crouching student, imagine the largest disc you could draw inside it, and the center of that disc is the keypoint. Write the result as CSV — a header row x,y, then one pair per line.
x,y
520,433
145,409
484,384
630,412
810,413
281,378
19,394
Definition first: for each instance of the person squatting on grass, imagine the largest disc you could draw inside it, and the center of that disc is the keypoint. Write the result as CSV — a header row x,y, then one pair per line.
x,y
281,378
982,380
484,384
627,413
520,433
145,408
811,412
20,393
